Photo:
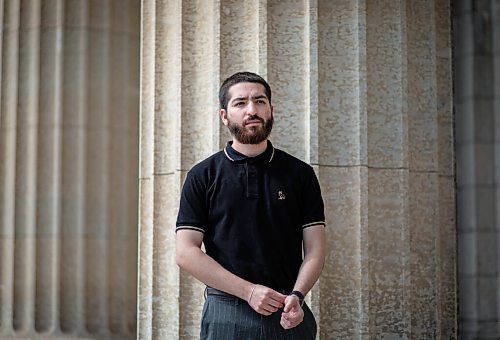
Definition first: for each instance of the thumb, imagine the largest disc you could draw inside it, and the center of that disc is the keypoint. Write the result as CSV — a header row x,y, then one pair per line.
x,y
288,305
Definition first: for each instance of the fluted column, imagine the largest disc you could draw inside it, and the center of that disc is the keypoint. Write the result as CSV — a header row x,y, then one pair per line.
x,y
68,175
26,158
49,168
73,166
10,64
362,92
177,75
477,84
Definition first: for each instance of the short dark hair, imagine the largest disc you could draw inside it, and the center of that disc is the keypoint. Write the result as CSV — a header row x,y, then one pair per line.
x,y
241,77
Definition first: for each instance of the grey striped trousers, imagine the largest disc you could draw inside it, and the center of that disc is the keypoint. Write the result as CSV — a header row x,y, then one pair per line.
x,y
230,318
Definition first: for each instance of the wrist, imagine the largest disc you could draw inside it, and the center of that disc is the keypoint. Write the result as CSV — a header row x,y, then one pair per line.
x,y
299,295
249,295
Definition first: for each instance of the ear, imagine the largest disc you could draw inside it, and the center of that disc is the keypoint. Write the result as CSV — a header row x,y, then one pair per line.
x,y
223,116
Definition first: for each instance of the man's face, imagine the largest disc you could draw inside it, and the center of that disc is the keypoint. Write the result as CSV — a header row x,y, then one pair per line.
x,y
249,115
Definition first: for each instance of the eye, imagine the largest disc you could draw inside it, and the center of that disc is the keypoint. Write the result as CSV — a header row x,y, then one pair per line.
x,y
261,101
238,104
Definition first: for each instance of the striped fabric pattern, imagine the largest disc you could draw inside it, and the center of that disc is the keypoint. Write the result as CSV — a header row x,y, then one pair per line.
x,y
230,318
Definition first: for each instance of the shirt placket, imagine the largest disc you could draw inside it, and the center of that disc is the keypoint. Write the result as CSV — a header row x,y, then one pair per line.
x,y
252,179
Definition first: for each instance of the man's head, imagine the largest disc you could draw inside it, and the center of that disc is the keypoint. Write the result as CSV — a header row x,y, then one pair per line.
x,y
246,108
241,77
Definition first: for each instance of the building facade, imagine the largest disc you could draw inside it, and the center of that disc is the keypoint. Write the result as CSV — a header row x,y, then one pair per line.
x,y
105,105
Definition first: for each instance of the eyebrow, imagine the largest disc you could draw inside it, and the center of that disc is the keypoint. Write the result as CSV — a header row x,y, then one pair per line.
x,y
261,96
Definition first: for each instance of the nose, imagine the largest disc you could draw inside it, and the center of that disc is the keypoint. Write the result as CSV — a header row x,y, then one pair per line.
x,y
251,108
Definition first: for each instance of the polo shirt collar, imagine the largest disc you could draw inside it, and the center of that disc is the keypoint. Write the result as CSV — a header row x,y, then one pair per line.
x,y
236,156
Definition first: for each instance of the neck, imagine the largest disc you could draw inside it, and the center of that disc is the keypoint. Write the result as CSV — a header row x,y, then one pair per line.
x,y
250,150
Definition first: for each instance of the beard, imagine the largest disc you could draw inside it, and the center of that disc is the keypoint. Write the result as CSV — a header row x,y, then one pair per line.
x,y
252,134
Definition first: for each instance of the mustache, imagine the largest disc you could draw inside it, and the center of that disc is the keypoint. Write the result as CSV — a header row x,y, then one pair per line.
x,y
253,117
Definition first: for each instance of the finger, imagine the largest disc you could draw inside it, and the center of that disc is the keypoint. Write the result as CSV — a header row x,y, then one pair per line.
x,y
267,308
263,311
277,296
270,309
275,303
286,324
291,319
294,318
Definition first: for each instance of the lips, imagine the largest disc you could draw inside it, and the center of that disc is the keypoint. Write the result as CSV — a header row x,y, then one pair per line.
x,y
254,120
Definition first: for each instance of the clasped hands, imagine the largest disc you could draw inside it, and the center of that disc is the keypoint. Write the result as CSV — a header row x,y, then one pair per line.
x,y
266,301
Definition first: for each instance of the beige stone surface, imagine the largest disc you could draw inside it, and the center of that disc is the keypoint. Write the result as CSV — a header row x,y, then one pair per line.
x,y
146,179
165,290
147,98
49,169
197,123
389,253
167,87
446,147
447,260
362,91
346,269
69,150
387,84
341,83
287,33
241,22
10,62
424,225
422,87
145,259
26,160
356,94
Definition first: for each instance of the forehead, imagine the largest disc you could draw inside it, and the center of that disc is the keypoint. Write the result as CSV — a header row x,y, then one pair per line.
x,y
246,90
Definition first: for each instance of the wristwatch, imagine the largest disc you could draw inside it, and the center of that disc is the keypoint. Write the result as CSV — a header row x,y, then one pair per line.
x,y
299,295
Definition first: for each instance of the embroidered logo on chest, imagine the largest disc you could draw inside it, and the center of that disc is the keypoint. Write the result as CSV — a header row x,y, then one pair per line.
x,y
281,195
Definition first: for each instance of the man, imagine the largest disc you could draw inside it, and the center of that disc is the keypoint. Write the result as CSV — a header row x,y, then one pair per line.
x,y
253,207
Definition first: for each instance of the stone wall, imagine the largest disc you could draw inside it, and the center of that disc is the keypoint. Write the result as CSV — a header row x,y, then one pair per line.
x,y
68,168
363,93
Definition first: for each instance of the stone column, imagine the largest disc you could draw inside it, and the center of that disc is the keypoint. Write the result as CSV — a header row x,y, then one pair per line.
x,y
68,178
477,98
363,93
10,64
179,84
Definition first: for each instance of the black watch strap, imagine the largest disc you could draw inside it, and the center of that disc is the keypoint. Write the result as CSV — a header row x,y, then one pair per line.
x,y
299,295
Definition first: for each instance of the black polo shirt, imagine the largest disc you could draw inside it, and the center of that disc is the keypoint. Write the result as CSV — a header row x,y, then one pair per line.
x,y
252,211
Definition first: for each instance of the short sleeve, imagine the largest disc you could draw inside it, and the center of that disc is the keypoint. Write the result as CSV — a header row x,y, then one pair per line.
x,y
313,208
192,207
